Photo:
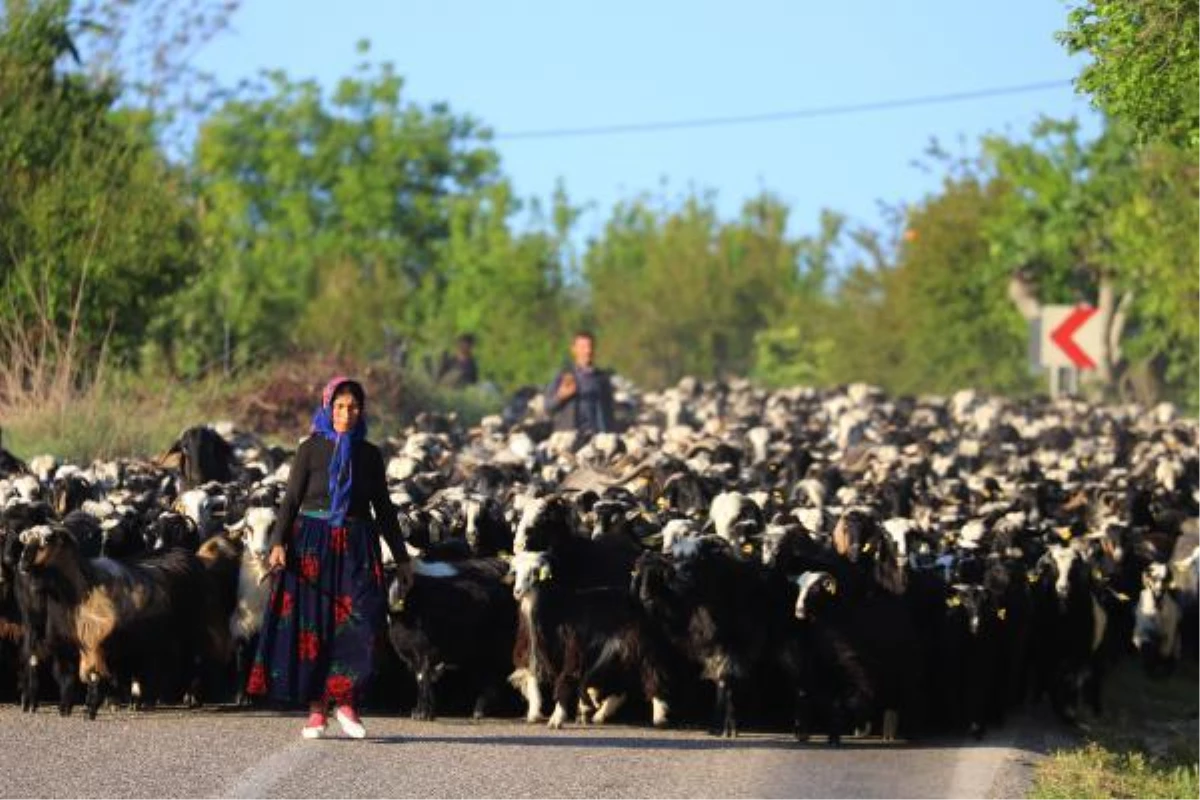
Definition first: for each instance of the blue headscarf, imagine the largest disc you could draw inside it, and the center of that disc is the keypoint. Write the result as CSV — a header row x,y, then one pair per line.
x,y
341,475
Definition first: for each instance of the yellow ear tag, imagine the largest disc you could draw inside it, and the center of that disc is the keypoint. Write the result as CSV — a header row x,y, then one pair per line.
x,y
1096,575
1124,598
663,502
833,588
1031,578
867,547
1002,614
953,601
1064,534
544,573
747,549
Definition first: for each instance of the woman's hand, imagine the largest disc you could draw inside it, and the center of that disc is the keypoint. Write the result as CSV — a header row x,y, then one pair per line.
x,y
277,558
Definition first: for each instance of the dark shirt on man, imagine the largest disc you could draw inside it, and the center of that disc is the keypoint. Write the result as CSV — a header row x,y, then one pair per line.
x,y
458,371
590,409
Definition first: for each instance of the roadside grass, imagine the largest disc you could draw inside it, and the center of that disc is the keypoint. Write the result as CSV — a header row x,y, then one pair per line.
x,y
122,416
1146,744
139,416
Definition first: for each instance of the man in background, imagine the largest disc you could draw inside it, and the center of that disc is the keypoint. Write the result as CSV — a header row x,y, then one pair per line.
x,y
458,370
580,398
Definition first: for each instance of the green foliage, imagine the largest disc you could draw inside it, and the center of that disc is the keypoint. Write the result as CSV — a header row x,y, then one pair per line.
x,y
1146,64
95,228
798,346
678,292
946,300
353,223
310,202
1156,237
506,288
1053,223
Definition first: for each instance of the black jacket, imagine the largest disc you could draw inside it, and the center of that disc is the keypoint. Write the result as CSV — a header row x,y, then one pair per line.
x,y
585,412
308,490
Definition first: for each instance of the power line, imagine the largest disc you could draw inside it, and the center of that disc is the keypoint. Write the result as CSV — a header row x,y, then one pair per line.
x,y
779,116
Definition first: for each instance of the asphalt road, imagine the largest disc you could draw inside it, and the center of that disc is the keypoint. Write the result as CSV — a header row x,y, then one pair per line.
x,y
226,753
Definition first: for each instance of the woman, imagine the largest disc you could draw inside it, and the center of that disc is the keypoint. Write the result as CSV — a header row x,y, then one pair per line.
x,y
319,630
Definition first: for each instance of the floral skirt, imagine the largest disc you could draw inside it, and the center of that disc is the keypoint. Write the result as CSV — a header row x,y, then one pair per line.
x,y
318,633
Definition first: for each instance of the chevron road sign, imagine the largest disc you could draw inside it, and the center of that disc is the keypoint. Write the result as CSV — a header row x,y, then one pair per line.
x,y
1071,336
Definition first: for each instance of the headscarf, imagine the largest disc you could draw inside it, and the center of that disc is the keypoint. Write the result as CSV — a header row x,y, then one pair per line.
x,y
341,474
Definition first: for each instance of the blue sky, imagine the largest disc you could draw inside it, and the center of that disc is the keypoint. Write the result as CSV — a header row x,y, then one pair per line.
x,y
535,65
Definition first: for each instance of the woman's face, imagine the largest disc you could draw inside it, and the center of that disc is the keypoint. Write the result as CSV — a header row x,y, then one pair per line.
x,y
346,412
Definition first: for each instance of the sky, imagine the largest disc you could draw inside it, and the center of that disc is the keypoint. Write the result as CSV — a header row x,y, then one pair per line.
x,y
535,65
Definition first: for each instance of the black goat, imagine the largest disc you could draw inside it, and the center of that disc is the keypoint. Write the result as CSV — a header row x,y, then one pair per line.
x,y
717,609
458,616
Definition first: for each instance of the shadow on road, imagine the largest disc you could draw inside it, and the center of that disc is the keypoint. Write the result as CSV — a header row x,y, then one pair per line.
x,y
666,742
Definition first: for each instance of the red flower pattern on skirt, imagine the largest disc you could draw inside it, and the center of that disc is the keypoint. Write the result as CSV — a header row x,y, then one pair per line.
x,y
310,567
308,646
339,539
339,687
285,604
342,608
323,586
257,682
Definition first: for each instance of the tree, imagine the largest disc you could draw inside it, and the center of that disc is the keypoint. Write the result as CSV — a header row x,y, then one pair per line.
x,y
1146,64
945,322
506,287
95,228
797,347
1053,225
677,292
294,188
1155,236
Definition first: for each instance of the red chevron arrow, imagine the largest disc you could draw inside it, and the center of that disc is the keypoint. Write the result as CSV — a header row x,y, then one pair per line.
x,y
1061,336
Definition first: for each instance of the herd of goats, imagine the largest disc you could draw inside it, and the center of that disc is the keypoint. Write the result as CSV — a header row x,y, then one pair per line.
x,y
836,562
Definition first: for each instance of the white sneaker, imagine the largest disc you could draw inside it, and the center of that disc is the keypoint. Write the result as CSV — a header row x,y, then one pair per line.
x,y
351,725
315,727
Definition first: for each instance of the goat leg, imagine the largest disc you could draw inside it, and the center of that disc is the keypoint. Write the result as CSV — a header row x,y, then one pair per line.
x,y
65,675
802,717
241,660
29,688
837,721
730,726
567,684
95,695
483,701
425,699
